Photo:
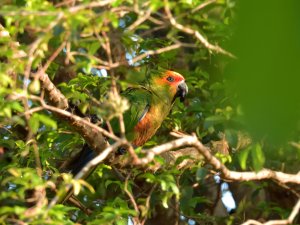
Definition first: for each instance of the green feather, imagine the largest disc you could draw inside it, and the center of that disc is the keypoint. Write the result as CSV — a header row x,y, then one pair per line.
x,y
143,98
139,99
152,73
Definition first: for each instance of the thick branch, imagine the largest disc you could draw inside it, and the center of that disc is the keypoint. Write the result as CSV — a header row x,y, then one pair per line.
x,y
216,163
92,133
56,98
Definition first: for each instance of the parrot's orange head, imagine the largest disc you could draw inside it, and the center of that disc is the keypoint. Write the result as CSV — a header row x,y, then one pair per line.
x,y
174,83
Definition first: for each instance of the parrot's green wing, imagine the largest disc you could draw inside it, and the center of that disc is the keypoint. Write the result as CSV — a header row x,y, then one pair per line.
x,y
139,99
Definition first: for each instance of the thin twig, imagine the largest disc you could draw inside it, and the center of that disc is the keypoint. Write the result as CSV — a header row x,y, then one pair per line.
x,y
156,21
37,158
29,13
199,7
132,200
195,33
143,55
66,2
107,48
51,58
80,205
31,57
140,20
66,192
203,5
294,192
136,6
147,205
113,81
67,114
98,60
33,110
90,5
155,52
132,153
109,127
294,212
150,31
122,126
289,220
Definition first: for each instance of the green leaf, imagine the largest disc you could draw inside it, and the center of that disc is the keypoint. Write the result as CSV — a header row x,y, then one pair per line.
x,y
87,185
164,185
165,201
47,121
76,187
34,123
243,156
7,111
34,86
175,189
258,157
201,174
109,182
20,144
150,178
196,200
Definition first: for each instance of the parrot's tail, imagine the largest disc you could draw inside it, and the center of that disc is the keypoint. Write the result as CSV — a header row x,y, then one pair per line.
x,y
81,159
75,165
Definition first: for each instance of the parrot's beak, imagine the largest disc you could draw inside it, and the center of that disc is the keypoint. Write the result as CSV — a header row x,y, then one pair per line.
x,y
182,90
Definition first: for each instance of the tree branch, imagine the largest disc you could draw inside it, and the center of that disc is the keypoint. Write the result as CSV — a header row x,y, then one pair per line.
x,y
155,52
66,192
102,3
132,200
289,220
216,163
195,33
203,5
56,98
141,19
92,133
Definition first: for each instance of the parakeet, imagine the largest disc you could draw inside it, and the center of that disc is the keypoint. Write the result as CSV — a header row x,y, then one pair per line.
x,y
150,103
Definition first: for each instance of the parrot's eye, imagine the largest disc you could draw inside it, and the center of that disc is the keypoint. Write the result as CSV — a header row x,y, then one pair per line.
x,y
170,79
